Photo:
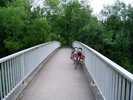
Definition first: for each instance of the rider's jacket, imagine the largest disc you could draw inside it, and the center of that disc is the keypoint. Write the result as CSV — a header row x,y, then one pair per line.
x,y
80,56
77,56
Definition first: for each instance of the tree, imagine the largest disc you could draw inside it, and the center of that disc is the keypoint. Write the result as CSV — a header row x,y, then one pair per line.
x,y
118,33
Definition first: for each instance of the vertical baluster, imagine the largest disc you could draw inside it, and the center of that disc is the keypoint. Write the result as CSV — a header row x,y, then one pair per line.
x,y
105,84
119,88
93,66
112,93
116,85
3,80
109,82
22,66
127,90
19,71
15,71
1,91
14,68
113,85
123,90
17,74
11,72
95,60
131,94
8,79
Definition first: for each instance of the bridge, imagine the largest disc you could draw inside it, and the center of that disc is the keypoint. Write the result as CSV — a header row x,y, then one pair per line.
x,y
46,72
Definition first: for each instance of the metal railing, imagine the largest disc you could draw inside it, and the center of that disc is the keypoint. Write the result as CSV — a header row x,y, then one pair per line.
x,y
113,82
15,68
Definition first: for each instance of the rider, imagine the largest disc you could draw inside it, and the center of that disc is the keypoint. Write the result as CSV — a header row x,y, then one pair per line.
x,y
74,53
80,56
77,55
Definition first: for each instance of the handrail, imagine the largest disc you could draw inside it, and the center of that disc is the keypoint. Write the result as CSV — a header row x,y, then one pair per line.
x,y
22,52
113,81
16,68
112,64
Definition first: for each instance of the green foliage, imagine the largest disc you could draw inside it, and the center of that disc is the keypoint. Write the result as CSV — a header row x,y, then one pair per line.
x,y
67,21
118,34
5,2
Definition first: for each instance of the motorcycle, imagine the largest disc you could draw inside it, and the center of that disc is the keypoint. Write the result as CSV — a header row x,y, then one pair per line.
x,y
77,57
79,63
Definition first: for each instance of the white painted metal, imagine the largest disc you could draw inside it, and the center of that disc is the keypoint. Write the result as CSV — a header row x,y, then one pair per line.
x,y
119,88
0,85
114,82
3,80
113,85
127,91
131,97
15,68
116,87
123,90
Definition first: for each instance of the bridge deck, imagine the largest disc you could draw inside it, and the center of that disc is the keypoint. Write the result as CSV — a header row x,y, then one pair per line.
x,y
58,80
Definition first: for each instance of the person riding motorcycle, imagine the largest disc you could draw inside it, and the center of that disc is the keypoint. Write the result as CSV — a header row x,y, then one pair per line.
x,y
79,58
74,54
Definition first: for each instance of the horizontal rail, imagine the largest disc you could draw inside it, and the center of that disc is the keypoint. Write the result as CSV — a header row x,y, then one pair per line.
x,y
17,67
112,80
22,52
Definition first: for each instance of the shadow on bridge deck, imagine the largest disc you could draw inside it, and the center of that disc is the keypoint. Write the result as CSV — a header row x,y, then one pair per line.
x,y
58,80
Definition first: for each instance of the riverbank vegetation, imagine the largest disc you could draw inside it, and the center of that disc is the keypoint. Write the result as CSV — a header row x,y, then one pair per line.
x,y
23,26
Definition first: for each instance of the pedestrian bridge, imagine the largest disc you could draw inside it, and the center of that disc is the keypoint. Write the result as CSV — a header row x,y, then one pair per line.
x,y
46,72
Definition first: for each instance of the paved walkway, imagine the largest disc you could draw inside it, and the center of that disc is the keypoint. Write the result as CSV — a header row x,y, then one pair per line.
x,y
58,80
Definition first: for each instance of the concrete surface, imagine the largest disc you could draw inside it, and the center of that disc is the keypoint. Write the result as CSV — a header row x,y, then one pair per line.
x,y
58,80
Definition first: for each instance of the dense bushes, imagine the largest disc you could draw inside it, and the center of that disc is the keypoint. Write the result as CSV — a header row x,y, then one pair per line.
x,y
21,27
